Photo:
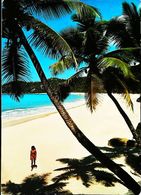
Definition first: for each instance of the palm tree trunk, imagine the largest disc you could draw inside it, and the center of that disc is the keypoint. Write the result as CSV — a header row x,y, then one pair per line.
x,y
128,181
126,118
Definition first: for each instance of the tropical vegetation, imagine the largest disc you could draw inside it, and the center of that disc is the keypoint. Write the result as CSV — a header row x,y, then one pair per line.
x,y
78,86
101,66
15,66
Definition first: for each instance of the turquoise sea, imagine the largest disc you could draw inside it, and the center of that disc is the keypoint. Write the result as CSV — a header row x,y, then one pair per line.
x,y
31,104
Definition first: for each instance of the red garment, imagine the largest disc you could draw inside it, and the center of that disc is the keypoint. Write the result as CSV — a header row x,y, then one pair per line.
x,y
33,154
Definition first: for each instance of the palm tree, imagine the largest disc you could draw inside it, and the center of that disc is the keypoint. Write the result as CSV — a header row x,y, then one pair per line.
x,y
128,35
35,184
102,68
125,30
14,70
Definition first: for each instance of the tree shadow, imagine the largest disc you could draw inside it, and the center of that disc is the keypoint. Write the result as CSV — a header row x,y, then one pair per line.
x,y
35,184
90,171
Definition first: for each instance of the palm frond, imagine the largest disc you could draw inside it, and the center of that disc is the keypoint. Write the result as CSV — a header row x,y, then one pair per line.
x,y
15,64
49,42
111,75
126,94
95,43
63,64
63,91
15,69
65,87
84,9
118,63
127,98
118,33
75,39
125,53
48,8
130,10
132,20
95,85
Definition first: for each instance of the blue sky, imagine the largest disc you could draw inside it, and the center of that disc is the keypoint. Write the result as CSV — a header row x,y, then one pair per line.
x,y
108,9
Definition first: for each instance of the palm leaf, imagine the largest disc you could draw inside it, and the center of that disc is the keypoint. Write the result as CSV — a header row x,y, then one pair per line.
x,y
49,42
126,53
84,9
125,93
47,8
111,75
15,69
78,74
75,39
63,64
132,20
63,91
65,87
119,34
15,64
118,63
94,85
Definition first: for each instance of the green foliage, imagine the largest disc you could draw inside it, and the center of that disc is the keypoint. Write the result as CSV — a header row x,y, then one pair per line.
x,y
116,62
49,42
94,86
42,36
61,65
125,31
77,85
15,68
89,42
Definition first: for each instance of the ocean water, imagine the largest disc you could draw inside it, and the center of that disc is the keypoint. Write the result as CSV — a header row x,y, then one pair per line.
x,y
32,104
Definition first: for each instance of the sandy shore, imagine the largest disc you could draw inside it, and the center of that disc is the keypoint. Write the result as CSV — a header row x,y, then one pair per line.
x,y
54,140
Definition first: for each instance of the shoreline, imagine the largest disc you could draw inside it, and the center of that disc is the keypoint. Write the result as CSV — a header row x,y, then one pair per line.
x,y
16,121
32,110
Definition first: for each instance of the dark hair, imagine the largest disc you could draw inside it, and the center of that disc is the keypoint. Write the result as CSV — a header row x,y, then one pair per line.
x,y
33,147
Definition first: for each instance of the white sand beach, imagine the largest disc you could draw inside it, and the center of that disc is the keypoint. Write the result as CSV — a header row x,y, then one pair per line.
x,y
54,140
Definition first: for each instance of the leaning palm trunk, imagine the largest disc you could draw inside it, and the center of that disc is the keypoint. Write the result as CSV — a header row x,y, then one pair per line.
x,y
126,118
128,181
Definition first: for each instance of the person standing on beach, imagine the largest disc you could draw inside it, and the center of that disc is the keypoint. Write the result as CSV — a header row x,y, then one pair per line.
x,y
33,155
